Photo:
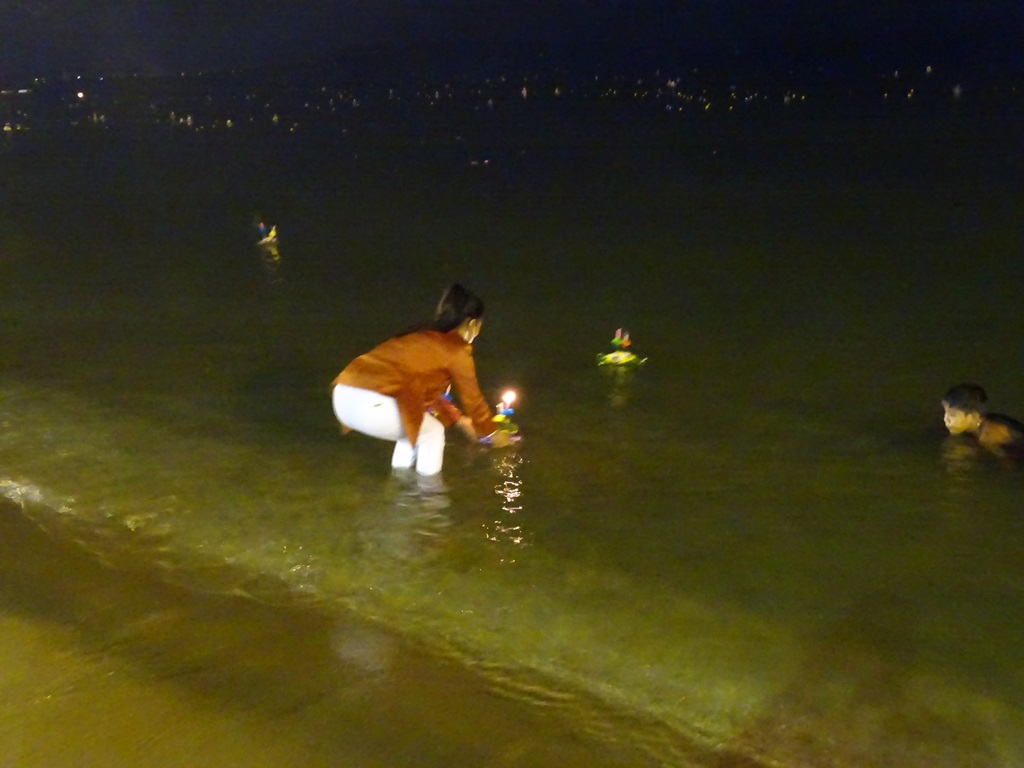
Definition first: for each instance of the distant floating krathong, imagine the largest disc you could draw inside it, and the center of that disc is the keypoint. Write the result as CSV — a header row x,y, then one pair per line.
x,y
621,356
268,236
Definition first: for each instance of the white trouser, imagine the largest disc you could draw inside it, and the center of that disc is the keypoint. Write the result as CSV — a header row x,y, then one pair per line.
x,y
377,415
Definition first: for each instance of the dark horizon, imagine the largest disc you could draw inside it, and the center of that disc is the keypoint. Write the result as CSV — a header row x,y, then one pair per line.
x,y
843,39
468,61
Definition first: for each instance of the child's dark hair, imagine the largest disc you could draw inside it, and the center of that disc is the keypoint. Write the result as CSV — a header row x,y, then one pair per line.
x,y
456,306
969,398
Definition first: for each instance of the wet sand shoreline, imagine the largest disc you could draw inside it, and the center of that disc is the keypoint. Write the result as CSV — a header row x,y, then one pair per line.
x,y
110,666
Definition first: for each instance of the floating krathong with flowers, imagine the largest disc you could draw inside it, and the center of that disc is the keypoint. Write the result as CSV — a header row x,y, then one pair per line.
x,y
621,355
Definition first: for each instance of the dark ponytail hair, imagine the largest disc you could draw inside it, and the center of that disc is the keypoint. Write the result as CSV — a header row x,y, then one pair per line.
x,y
455,307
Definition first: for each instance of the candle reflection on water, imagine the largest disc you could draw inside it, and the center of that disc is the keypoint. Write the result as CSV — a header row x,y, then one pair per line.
x,y
507,529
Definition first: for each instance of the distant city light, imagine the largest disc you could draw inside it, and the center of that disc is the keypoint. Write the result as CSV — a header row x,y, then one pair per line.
x,y
203,104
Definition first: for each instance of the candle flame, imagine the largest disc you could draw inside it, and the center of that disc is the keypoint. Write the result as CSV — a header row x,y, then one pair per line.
x,y
508,398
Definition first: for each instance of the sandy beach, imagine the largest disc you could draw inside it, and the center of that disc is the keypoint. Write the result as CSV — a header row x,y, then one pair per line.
x,y
110,666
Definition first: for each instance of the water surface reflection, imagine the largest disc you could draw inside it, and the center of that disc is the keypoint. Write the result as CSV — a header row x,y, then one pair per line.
x,y
507,529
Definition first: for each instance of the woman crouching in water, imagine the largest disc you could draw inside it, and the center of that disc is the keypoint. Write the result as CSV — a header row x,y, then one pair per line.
x,y
396,390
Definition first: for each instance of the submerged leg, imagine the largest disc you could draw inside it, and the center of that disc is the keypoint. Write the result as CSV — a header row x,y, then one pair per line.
x,y
404,456
429,446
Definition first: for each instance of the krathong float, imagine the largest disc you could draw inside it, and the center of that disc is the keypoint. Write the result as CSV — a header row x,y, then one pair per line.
x,y
503,411
621,356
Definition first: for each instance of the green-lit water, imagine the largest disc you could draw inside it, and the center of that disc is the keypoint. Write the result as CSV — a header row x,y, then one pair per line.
x,y
760,540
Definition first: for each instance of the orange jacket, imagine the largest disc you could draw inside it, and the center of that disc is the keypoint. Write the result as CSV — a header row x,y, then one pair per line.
x,y
416,369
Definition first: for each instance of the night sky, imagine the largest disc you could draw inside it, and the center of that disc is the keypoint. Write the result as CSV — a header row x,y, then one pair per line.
x,y
163,36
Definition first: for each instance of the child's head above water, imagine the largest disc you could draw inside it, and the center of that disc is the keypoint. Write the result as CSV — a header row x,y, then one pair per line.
x,y
965,407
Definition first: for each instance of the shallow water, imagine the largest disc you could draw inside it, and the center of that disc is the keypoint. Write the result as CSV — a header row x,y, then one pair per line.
x,y
759,546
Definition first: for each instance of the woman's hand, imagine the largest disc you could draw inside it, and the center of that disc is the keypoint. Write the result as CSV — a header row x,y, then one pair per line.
x,y
499,438
466,425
